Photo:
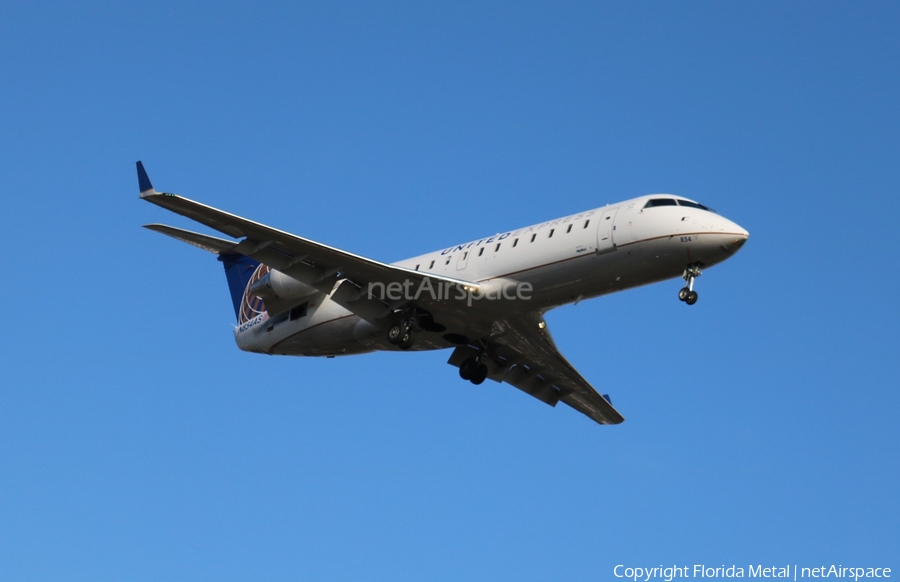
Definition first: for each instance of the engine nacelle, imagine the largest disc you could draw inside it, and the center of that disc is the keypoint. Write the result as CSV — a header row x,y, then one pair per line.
x,y
276,284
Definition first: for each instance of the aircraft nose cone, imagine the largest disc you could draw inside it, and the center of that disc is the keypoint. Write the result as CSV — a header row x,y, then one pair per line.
x,y
733,242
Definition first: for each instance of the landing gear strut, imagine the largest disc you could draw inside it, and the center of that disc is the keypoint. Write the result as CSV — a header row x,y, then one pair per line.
x,y
687,294
473,370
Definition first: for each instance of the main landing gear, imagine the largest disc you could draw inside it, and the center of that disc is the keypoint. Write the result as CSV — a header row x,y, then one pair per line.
x,y
687,294
400,334
473,370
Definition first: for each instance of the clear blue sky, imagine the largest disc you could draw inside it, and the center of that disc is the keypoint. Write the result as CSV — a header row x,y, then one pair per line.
x,y
138,443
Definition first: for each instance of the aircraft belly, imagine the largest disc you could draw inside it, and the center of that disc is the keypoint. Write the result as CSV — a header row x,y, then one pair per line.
x,y
325,329
586,277
655,260
678,251
347,335
337,337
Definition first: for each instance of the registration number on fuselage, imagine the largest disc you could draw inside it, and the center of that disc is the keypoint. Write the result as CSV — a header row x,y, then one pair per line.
x,y
250,323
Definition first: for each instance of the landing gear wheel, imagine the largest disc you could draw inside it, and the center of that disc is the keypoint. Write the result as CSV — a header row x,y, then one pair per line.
x,y
480,374
468,368
395,334
691,298
473,371
684,293
406,341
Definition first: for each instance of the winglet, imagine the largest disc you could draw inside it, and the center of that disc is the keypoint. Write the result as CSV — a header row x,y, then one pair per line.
x,y
143,180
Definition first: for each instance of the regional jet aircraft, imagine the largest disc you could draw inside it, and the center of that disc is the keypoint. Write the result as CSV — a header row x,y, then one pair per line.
x,y
485,299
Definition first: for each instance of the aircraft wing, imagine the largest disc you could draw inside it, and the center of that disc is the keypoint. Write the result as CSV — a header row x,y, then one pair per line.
x,y
313,263
522,353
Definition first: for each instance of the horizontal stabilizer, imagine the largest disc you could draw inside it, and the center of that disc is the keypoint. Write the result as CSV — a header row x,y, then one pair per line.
x,y
205,242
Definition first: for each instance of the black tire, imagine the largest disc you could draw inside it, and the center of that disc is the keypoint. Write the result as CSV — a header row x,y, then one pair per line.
x,y
480,375
468,368
684,294
406,342
395,334
691,298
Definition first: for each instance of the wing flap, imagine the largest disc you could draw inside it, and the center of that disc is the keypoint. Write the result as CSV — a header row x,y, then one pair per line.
x,y
522,353
532,384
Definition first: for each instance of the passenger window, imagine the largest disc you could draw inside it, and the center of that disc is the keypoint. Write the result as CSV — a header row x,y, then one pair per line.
x,y
480,251
497,248
465,255
534,236
552,230
515,242
417,267
587,222
568,230
448,261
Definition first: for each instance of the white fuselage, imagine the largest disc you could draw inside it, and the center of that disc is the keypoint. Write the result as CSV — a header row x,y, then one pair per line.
x,y
584,255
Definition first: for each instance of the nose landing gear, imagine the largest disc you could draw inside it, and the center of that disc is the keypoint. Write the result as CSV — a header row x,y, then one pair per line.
x,y
687,294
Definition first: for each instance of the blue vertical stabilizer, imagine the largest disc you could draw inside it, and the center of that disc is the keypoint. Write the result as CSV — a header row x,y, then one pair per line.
x,y
144,184
238,270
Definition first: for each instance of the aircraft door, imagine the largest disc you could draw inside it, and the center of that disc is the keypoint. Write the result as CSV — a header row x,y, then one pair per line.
x,y
462,260
606,231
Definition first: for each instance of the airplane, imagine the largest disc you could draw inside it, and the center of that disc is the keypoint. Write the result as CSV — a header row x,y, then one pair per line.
x,y
484,299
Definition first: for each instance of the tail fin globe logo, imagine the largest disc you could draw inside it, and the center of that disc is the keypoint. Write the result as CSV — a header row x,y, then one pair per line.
x,y
252,306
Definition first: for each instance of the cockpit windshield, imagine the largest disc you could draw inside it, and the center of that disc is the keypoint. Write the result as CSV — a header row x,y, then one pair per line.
x,y
654,202
690,204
